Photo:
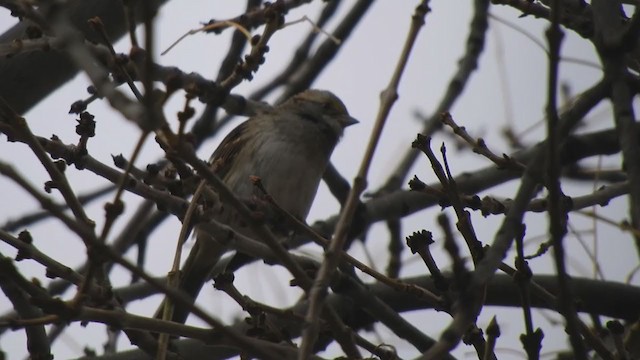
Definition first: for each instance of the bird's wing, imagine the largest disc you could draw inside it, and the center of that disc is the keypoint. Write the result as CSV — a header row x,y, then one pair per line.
x,y
223,157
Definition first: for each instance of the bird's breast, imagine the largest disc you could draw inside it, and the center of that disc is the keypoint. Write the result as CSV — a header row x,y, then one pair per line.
x,y
289,172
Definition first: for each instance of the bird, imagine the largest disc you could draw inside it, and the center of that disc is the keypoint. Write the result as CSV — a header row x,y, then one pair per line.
x,y
288,147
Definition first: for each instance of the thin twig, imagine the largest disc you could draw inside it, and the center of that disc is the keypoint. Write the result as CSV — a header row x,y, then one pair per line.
x,y
332,254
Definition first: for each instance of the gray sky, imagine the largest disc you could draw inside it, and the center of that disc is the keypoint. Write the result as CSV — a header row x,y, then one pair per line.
x,y
508,88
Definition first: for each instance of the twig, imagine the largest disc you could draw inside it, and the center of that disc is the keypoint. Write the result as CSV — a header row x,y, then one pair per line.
x,y
37,343
332,253
20,126
310,69
493,333
396,284
26,250
480,147
466,66
315,28
98,26
209,27
37,216
302,279
557,211
541,46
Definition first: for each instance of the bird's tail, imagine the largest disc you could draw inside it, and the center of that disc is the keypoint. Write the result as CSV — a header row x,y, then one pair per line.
x,y
195,272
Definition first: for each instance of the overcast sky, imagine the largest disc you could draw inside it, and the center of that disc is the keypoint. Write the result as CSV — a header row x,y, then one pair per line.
x,y
509,88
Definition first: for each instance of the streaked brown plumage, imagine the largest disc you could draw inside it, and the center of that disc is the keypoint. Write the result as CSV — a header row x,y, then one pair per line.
x,y
288,147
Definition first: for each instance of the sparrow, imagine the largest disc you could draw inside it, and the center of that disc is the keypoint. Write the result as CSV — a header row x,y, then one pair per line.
x,y
288,147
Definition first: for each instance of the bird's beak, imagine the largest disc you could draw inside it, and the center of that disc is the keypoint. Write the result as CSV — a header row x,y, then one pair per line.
x,y
348,121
